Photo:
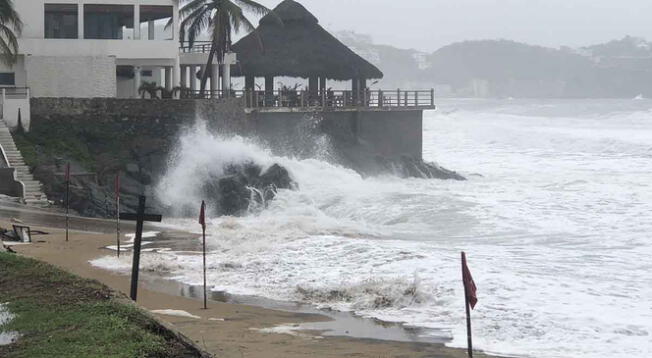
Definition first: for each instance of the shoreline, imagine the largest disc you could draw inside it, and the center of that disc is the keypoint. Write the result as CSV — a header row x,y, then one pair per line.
x,y
240,326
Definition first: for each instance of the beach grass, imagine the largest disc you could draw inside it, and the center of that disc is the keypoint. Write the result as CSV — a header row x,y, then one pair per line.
x,y
58,314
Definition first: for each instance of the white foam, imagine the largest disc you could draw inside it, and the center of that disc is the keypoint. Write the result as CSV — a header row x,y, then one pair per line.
x,y
6,316
292,330
177,313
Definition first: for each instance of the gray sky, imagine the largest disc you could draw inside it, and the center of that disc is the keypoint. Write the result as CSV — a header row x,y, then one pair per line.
x,y
430,24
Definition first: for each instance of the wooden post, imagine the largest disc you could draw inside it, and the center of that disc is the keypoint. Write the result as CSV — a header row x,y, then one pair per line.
x,y
432,97
416,98
313,87
203,232
250,86
468,310
117,210
140,217
398,97
405,102
269,89
355,91
67,200
135,266
380,98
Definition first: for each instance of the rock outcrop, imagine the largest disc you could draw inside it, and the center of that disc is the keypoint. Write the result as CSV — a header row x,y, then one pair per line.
x,y
407,167
245,186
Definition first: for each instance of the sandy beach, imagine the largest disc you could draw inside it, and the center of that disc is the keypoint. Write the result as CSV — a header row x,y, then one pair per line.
x,y
225,329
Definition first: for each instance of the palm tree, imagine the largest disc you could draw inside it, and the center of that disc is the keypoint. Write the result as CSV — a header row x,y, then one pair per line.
x,y
221,18
10,26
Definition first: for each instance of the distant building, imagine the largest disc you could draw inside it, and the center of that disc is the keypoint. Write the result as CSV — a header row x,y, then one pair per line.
x,y
94,48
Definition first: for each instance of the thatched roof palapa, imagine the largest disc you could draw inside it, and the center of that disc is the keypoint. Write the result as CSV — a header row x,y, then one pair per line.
x,y
290,42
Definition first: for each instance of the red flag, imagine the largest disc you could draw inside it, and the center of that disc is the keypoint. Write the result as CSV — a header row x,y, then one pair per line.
x,y
117,185
202,215
469,285
68,172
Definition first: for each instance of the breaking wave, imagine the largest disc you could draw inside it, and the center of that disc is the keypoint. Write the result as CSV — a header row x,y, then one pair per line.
x,y
553,228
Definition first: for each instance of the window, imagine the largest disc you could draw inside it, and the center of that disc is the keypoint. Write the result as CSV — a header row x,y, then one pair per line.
x,y
113,22
7,79
153,22
61,21
146,73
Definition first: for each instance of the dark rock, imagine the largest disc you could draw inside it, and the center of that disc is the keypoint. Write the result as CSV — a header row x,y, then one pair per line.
x,y
245,184
278,177
234,195
408,167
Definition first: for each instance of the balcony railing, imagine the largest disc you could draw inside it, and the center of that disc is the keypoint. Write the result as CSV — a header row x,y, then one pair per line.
x,y
14,92
197,47
325,99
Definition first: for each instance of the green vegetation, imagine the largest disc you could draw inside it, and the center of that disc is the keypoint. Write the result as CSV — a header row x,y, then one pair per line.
x,y
89,145
61,315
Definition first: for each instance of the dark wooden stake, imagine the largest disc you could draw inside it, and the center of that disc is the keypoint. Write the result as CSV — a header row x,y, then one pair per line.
x,y
468,309
117,210
140,217
204,242
67,205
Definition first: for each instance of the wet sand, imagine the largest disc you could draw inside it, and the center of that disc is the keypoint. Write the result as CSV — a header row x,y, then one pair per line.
x,y
224,329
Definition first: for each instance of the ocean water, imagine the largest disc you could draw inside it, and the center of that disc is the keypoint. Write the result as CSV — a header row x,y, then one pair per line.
x,y
556,221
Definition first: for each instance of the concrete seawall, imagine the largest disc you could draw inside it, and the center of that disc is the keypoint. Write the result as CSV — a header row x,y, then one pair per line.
x,y
357,138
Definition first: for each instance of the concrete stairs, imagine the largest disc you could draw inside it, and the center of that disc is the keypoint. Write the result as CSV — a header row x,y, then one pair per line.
x,y
34,195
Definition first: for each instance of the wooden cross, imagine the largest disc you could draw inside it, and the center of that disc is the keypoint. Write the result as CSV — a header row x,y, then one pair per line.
x,y
140,217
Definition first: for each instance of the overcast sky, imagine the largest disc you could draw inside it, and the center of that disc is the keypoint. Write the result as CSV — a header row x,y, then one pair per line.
x,y
429,24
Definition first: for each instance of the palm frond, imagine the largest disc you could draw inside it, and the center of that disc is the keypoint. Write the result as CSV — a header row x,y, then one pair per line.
x,y
253,7
9,17
8,45
195,24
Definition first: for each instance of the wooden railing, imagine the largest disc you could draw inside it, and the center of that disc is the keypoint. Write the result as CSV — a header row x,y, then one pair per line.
x,y
324,99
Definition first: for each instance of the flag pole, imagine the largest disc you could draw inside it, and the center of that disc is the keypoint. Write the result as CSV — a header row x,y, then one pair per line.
x,y
204,241
467,307
117,210
67,199
202,221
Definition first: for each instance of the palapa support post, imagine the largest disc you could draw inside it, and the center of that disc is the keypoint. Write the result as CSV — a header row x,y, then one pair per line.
x,y
140,217
470,299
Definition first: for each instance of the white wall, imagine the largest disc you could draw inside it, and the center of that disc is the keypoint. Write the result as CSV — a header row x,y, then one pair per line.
x,y
122,49
51,70
81,77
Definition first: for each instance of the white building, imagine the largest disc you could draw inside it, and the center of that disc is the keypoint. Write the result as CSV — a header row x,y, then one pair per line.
x,y
91,48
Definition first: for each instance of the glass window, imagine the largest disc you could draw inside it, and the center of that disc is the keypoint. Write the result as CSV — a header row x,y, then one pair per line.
x,y
61,21
7,79
153,22
112,22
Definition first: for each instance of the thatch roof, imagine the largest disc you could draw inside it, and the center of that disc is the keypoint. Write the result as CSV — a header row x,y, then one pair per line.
x,y
297,46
